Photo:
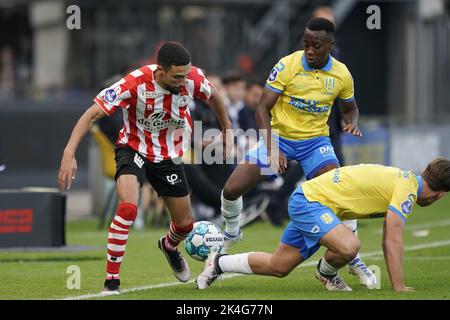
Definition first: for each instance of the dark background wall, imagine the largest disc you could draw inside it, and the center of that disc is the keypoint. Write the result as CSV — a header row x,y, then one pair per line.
x,y
365,52
32,140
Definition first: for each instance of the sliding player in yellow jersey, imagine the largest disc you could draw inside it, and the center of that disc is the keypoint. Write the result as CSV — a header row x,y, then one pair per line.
x,y
293,112
316,210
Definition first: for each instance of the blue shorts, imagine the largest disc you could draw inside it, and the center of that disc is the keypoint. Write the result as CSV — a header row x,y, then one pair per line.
x,y
310,221
312,154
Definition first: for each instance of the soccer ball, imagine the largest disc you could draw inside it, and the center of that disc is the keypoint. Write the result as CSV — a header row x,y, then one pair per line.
x,y
204,238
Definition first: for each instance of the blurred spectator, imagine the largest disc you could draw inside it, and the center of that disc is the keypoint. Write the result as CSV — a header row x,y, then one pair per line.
x,y
235,85
251,100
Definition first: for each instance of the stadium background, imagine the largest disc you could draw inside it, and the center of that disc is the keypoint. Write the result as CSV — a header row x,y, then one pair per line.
x,y
49,74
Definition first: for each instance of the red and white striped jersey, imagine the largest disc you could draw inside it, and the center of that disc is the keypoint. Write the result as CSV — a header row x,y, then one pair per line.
x,y
157,123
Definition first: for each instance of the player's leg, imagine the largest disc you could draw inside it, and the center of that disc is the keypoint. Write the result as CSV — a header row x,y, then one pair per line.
x,y
318,223
278,264
320,159
180,226
342,247
129,179
243,178
357,267
252,170
169,180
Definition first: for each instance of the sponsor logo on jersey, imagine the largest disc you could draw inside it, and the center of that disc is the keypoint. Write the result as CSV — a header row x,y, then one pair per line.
x,y
308,105
156,122
149,94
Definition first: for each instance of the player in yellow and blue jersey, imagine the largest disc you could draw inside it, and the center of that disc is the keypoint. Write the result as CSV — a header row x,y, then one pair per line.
x,y
299,94
316,210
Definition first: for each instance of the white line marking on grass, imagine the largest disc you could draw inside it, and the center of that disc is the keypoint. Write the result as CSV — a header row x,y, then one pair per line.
x,y
418,258
420,226
232,275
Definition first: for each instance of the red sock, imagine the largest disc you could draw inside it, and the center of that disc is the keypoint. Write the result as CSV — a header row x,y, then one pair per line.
x,y
118,237
177,234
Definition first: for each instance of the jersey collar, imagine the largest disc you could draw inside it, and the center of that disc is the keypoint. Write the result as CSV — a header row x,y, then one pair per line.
x,y
419,189
326,67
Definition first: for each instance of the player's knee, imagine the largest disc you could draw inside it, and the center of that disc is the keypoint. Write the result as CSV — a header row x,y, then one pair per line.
x,y
279,270
230,192
350,251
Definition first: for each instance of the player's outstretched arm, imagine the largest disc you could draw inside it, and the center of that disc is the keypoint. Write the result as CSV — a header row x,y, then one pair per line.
x,y
393,250
266,103
68,168
350,116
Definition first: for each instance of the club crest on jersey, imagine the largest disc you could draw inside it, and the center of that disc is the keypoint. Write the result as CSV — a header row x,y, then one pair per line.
x,y
329,84
110,95
183,101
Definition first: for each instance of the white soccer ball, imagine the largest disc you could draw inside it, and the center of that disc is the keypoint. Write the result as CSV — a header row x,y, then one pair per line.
x,y
204,238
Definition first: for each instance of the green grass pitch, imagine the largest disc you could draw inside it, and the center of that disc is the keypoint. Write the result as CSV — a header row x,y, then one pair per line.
x,y
146,275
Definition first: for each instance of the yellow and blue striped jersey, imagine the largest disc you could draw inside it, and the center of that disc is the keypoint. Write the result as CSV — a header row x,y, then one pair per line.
x,y
307,95
365,191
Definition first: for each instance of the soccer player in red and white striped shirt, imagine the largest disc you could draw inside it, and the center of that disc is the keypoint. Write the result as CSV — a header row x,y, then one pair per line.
x,y
157,127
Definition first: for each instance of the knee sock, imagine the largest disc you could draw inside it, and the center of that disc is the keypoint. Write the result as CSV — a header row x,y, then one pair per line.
x,y
327,269
231,211
177,234
118,237
235,263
